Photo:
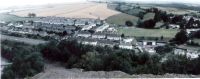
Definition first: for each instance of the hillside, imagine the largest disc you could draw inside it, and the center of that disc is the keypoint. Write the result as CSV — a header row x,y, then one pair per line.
x,y
55,71
75,10
121,18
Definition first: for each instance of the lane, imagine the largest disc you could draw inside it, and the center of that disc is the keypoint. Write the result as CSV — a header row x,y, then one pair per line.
x,y
21,39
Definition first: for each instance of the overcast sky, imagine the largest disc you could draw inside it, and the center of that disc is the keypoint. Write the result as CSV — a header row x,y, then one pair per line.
x,y
8,3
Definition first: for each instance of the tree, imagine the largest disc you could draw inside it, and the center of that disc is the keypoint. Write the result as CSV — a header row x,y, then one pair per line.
x,y
128,23
180,37
25,63
149,24
122,35
31,15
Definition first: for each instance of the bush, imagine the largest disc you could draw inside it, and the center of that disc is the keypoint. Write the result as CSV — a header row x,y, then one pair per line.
x,y
128,23
25,60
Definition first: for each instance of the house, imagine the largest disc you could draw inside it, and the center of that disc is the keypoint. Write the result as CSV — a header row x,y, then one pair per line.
x,y
88,27
126,46
113,36
99,35
191,30
111,29
174,26
188,52
148,43
79,23
84,34
106,43
127,40
87,41
101,28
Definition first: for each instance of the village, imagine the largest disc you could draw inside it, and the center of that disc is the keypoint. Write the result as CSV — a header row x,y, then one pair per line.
x,y
93,32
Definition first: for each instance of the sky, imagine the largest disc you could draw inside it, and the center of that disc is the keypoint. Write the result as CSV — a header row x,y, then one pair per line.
x,y
9,3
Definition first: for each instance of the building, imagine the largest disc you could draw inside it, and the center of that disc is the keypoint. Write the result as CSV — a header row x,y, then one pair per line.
x,y
191,30
99,35
88,27
174,26
127,40
84,34
126,46
80,23
148,43
106,43
87,41
101,28
188,52
113,36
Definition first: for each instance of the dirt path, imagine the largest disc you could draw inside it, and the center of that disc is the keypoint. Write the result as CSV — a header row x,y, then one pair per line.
x,y
53,71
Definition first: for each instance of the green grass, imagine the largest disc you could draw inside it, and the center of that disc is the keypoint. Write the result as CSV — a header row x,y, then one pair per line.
x,y
140,32
9,17
196,40
120,19
148,16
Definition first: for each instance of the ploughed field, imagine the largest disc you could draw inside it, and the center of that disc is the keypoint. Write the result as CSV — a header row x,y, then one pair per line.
x,y
73,10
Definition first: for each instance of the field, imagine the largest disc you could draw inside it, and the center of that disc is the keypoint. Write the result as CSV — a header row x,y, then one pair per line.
x,y
140,32
197,41
148,16
20,39
73,10
121,18
8,17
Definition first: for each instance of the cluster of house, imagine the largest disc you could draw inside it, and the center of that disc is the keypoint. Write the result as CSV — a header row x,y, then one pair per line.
x,y
60,24
188,52
187,18
105,39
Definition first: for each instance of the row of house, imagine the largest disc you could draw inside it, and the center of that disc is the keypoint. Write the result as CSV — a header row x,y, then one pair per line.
x,y
68,21
188,52
104,42
99,35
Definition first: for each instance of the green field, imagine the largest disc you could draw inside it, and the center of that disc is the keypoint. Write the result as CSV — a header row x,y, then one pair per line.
x,y
196,40
140,32
9,17
148,16
120,19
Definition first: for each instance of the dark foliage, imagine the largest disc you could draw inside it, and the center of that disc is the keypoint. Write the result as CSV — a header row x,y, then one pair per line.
x,y
128,23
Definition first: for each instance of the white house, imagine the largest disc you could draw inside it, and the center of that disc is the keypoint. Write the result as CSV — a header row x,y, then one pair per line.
x,y
148,43
99,35
101,28
187,52
106,43
88,27
191,30
127,40
113,36
79,23
84,34
174,26
126,46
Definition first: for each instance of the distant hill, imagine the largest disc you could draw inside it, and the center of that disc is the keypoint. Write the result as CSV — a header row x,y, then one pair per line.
x,y
180,6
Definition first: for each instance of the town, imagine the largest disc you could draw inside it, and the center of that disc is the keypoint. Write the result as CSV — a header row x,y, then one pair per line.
x,y
94,32
138,39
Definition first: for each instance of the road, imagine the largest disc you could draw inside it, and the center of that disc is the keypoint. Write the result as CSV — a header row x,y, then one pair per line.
x,y
21,39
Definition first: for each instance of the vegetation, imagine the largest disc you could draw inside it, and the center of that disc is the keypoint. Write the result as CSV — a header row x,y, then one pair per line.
x,y
73,54
26,60
9,17
120,19
180,38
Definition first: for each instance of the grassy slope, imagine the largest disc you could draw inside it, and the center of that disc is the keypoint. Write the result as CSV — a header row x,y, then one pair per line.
x,y
9,17
139,32
148,16
120,19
